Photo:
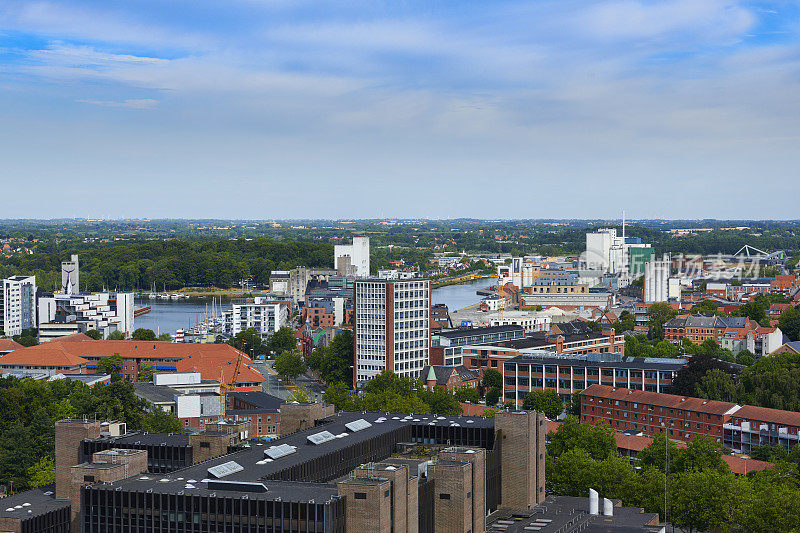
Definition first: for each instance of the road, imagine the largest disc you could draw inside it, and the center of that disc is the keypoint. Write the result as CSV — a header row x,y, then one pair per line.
x,y
275,387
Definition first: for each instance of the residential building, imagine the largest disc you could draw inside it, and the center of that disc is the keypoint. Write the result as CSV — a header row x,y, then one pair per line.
x,y
260,410
733,333
17,304
784,284
440,317
679,417
391,327
352,259
8,345
193,409
265,315
752,426
792,347
62,314
530,321
446,345
449,377
541,370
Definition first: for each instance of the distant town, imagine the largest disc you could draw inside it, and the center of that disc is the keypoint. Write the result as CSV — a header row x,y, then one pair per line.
x,y
312,376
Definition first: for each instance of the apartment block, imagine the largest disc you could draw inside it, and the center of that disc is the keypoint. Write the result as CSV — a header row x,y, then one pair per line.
x,y
263,314
391,327
17,304
679,417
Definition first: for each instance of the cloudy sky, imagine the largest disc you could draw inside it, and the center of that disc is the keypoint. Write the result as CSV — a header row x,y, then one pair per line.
x,y
301,109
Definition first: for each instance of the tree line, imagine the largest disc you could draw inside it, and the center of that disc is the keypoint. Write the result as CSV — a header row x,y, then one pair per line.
x,y
702,494
169,264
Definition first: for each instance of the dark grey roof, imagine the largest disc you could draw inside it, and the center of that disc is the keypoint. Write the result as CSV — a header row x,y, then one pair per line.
x,y
605,360
568,514
255,469
443,373
154,393
468,332
259,399
146,438
38,500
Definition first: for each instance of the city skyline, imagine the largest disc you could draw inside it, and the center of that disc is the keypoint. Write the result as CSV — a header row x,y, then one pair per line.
x,y
277,110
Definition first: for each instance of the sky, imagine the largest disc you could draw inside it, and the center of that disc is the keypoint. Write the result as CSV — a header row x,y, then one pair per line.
x,y
276,109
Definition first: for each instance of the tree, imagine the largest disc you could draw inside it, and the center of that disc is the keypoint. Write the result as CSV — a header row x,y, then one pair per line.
x,y
745,357
28,337
598,441
339,395
336,361
290,364
281,341
112,365
492,397
95,334
249,341
691,374
300,394
704,500
142,334
116,335
547,401
574,405
165,337
466,394
146,372
789,323
160,421
492,378
42,473
658,315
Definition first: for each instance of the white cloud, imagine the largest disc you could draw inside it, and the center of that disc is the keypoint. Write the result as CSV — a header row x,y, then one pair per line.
x,y
130,103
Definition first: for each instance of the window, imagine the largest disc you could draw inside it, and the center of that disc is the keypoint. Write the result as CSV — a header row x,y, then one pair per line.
x,y
444,496
89,479
360,495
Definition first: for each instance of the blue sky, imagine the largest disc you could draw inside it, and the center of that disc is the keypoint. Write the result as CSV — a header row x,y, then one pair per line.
x,y
299,109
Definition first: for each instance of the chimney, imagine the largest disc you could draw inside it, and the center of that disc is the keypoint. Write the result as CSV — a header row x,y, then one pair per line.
x,y
608,507
594,502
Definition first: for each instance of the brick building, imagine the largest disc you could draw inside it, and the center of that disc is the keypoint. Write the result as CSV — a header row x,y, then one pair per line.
x,y
449,377
680,417
259,409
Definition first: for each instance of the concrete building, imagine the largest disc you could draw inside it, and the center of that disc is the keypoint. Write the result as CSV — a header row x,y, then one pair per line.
x,y
62,314
17,304
391,327
567,375
352,259
656,281
70,276
265,315
446,345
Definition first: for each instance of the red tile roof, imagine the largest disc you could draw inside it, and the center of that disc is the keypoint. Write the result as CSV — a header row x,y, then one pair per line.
x,y
8,345
659,399
75,337
210,360
764,414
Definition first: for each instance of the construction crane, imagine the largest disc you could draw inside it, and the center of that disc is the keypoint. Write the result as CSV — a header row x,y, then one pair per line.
x,y
228,386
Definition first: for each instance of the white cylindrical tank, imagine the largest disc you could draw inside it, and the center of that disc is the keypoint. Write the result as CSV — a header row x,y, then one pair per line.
x,y
594,502
608,507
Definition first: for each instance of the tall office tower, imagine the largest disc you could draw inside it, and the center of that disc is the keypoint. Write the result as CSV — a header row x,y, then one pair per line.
x,y
656,281
352,259
392,328
70,283
17,304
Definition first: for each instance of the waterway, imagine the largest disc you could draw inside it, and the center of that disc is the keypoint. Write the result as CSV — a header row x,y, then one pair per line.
x,y
168,316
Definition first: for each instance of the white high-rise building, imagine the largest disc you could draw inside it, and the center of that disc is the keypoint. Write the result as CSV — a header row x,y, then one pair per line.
x,y
656,281
17,304
352,259
62,314
70,282
266,316
392,327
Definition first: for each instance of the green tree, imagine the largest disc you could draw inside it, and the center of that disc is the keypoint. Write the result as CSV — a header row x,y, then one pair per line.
x,y
42,473
598,441
95,334
658,315
745,357
547,401
466,394
336,361
146,371
300,394
142,334
290,364
789,323
281,341
339,395
704,500
492,378
574,405
160,421
249,341
116,335
492,396
111,364
165,337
